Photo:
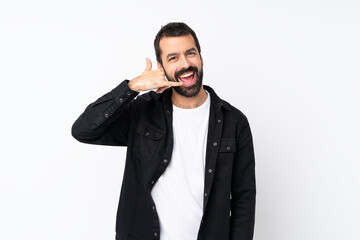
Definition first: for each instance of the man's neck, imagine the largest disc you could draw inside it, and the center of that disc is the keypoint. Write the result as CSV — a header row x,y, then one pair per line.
x,y
189,102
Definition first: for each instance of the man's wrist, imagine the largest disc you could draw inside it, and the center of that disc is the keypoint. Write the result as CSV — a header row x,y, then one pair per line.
x,y
132,86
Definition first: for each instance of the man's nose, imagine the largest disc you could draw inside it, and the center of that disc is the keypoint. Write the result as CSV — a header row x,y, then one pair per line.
x,y
184,63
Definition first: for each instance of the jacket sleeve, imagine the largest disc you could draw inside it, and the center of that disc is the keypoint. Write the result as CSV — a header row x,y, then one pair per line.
x,y
243,190
106,121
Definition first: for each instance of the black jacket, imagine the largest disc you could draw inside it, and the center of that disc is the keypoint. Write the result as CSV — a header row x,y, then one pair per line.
x,y
144,125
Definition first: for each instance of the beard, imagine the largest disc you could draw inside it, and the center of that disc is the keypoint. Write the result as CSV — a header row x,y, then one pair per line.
x,y
188,91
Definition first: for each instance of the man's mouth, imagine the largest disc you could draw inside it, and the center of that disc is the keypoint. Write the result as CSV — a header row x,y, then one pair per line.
x,y
187,78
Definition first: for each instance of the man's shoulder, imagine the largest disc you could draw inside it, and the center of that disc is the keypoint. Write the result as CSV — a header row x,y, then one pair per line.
x,y
233,112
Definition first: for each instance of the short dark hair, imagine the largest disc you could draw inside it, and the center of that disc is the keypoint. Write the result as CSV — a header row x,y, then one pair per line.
x,y
173,29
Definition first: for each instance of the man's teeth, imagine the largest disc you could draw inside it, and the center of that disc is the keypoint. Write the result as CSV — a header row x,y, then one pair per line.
x,y
187,75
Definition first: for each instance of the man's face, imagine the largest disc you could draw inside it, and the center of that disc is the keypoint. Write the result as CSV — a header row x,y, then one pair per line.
x,y
182,62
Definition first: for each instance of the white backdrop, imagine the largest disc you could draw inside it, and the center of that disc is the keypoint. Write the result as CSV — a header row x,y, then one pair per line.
x,y
291,66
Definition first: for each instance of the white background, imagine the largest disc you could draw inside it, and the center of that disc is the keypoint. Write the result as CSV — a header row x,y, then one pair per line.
x,y
291,66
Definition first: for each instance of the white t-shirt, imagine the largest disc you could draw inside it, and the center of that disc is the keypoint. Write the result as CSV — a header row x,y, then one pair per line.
x,y
179,192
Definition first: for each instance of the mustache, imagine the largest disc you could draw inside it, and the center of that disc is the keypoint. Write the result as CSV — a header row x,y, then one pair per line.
x,y
189,69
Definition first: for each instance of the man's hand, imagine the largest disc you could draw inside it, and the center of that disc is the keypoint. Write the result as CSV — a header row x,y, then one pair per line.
x,y
151,79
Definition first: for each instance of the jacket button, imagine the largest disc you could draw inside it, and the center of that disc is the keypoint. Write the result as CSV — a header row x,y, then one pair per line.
x,y
215,144
120,100
152,182
155,234
210,170
128,93
219,120
106,115
205,194
147,133
165,160
228,148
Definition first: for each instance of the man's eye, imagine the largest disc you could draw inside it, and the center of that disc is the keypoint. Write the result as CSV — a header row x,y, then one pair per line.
x,y
191,53
172,59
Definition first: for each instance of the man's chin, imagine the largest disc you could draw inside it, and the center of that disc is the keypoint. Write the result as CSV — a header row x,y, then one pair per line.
x,y
188,91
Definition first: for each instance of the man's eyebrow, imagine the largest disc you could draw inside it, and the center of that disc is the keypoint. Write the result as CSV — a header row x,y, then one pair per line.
x,y
174,54
191,49
171,54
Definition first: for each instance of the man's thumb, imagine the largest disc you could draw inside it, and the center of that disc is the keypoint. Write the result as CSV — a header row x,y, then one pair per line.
x,y
148,65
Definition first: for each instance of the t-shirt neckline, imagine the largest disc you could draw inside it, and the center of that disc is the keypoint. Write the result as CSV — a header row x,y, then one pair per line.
x,y
192,110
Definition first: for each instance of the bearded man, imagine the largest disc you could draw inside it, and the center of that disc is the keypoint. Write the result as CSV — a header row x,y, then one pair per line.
x,y
190,165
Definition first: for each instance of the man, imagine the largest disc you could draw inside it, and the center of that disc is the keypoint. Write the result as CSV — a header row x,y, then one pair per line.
x,y
190,170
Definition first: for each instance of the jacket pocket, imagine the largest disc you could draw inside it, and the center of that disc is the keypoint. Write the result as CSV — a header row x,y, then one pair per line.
x,y
148,131
225,159
227,145
147,142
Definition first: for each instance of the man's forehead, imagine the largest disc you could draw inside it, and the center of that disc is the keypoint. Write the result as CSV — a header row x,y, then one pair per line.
x,y
177,44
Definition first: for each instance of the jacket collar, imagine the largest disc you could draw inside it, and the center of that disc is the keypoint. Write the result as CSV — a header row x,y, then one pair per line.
x,y
216,101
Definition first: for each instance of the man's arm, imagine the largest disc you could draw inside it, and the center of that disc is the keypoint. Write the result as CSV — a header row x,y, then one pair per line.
x,y
243,187
106,121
